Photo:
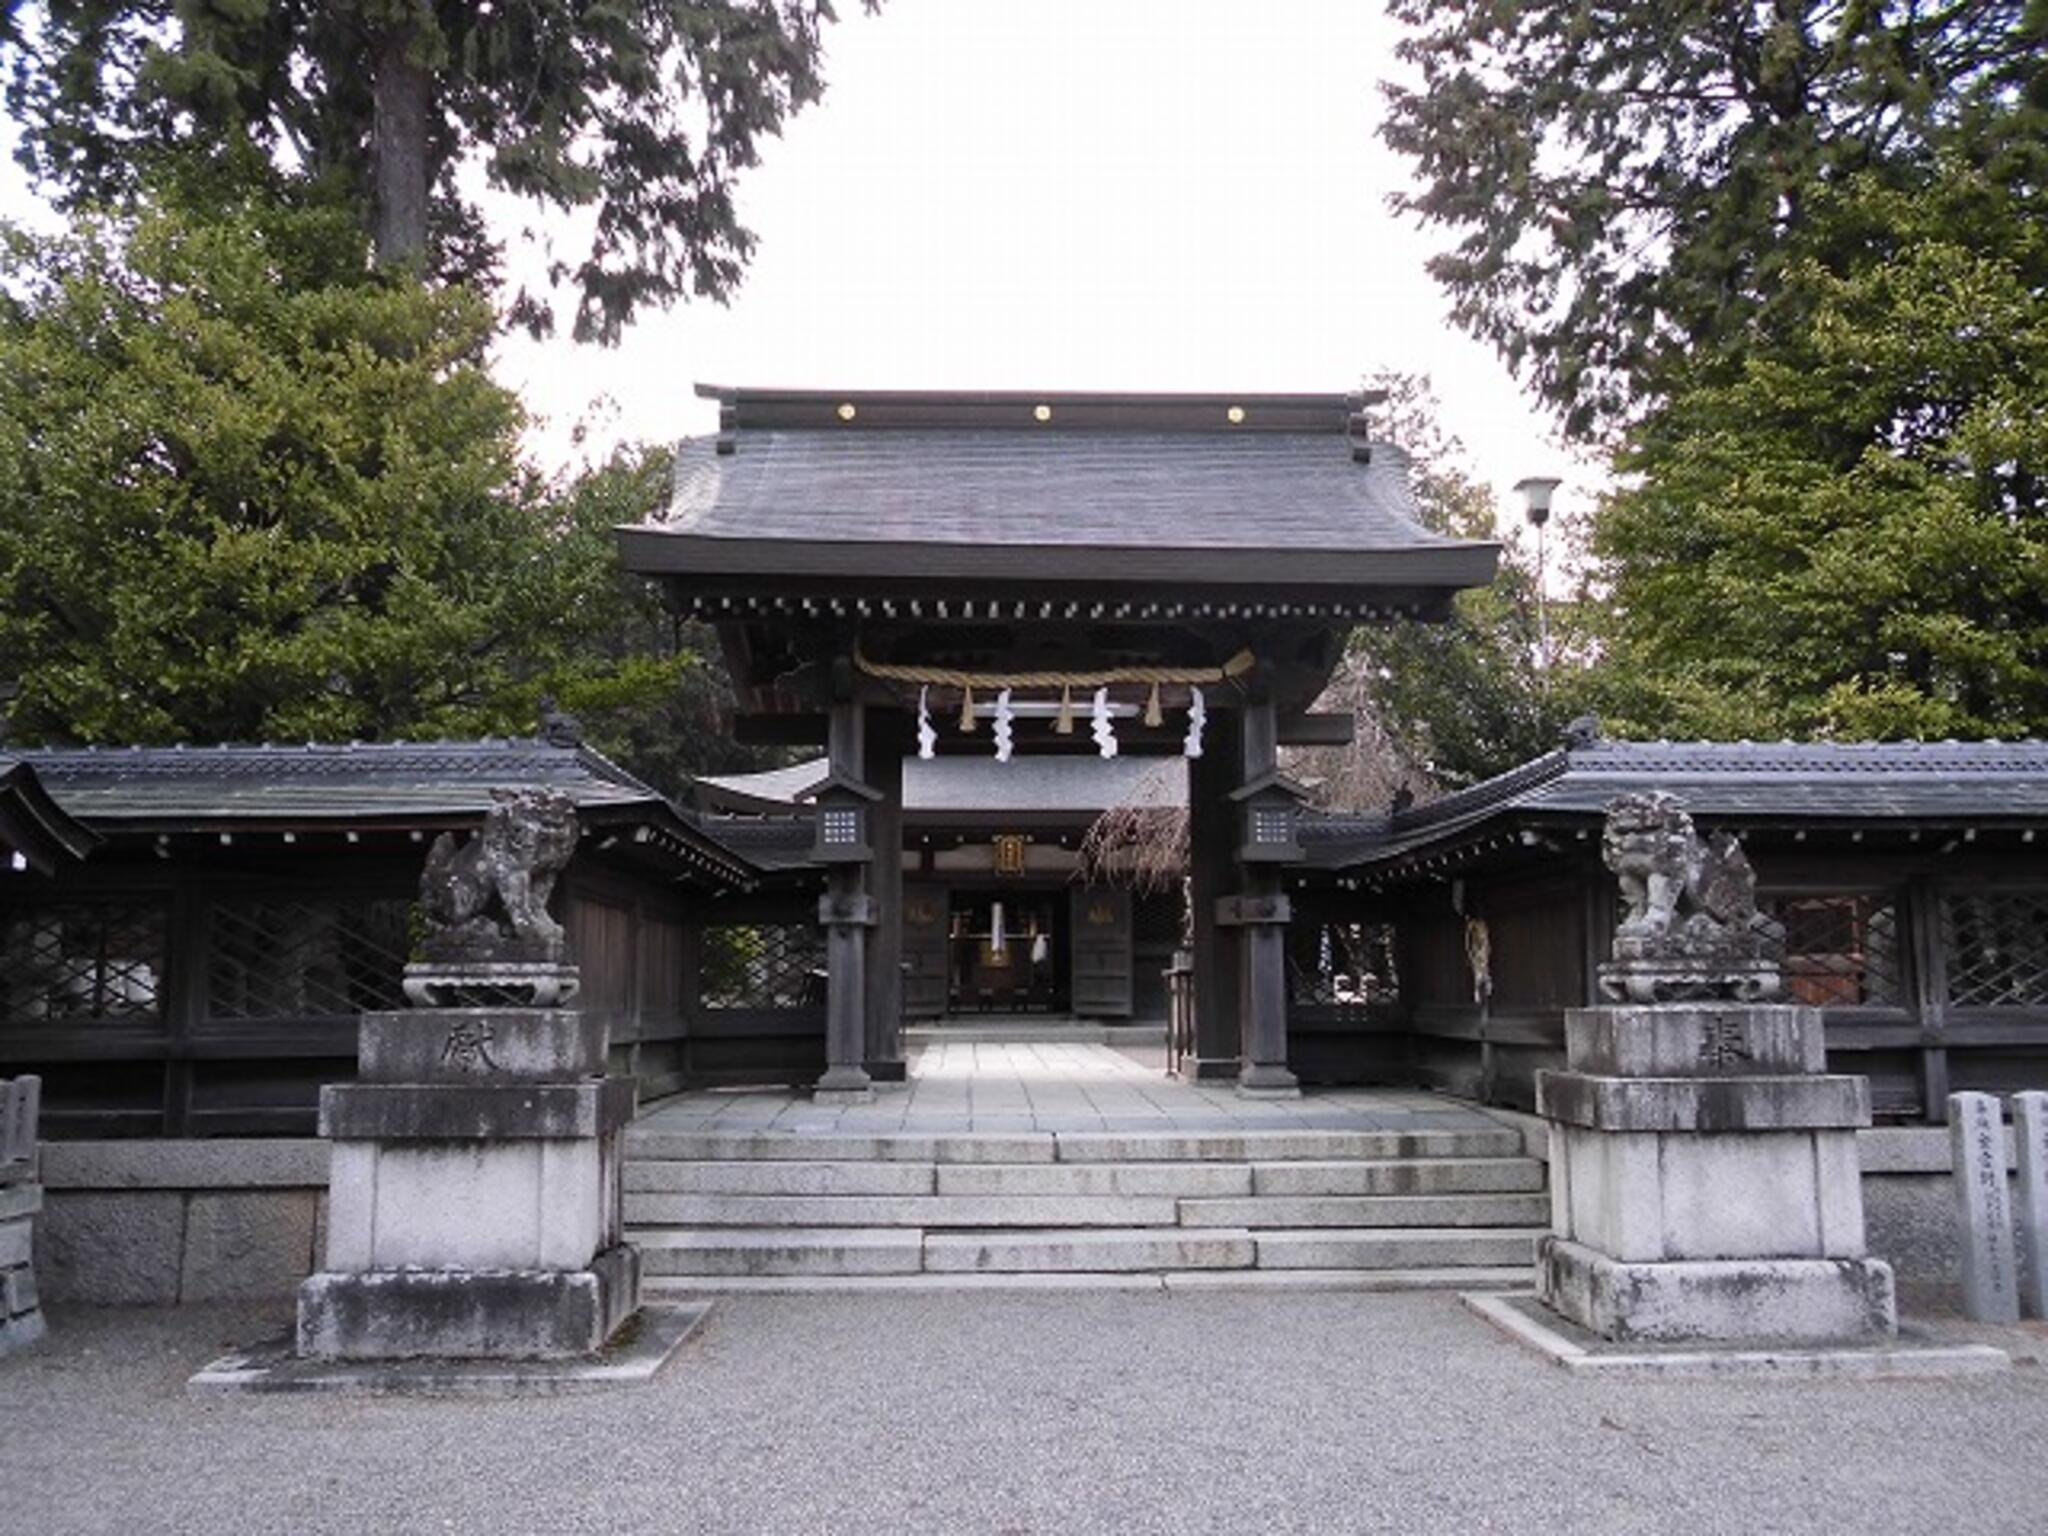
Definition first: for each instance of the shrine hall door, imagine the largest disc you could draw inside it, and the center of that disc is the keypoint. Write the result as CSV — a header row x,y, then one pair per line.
x,y
1101,930
925,953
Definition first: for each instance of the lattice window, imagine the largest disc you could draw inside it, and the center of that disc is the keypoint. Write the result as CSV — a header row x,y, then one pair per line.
x,y
1842,950
283,959
98,960
1342,964
1997,948
763,965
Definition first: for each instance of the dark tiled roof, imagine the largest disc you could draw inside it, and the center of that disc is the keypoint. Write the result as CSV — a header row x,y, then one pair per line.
x,y
773,844
1023,500
33,827
1761,783
180,788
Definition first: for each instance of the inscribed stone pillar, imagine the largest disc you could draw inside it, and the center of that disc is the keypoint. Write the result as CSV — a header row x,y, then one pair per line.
x,y
21,1197
1976,1129
2030,1135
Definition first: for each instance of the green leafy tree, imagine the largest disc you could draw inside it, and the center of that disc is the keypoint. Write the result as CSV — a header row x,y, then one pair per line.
x,y
250,489
642,114
660,706
1443,704
1843,529
1621,182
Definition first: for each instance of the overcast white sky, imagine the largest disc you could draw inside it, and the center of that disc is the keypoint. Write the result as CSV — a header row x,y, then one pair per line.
x,y
1069,194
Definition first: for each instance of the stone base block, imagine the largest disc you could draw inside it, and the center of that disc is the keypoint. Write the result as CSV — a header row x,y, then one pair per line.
x,y
468,1314
1264,1080
20,1332
475,1045
1789,1301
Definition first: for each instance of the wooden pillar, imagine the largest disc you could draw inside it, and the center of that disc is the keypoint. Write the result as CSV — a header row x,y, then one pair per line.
x,y
888,736
1263,927
1212,849
845,911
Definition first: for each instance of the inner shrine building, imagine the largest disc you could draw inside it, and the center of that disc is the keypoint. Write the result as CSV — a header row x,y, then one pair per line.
x,y
897,575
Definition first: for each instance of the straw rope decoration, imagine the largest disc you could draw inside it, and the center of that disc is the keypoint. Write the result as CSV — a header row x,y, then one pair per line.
x,y
950,677
1097,683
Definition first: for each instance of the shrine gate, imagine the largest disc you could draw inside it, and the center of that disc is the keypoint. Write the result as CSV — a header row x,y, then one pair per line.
x,y
1013,573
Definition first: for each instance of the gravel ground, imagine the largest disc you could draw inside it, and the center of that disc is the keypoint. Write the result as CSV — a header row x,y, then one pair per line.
x,y
1047,1414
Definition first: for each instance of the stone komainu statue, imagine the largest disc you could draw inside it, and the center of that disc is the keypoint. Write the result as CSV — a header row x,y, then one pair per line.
x,y
486,899
1690,926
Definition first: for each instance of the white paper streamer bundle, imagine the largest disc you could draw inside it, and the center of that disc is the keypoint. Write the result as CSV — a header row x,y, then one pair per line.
x,y
927,735
1104,732
1198,715
1002,726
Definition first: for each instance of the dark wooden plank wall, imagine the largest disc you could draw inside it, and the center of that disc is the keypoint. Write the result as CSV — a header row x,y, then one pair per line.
x,y
1330,1042
628,938
1548,929
183,1071
784,1045
186,1070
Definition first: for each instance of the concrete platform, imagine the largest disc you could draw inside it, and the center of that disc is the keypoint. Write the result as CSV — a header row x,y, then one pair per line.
x,y
633,1358
1010,1087
1526,1320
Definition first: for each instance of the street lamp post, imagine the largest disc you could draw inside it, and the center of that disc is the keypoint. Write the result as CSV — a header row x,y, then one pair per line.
x,y
1535,492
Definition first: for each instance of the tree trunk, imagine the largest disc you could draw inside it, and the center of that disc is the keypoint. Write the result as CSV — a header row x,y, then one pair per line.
x,y
403,98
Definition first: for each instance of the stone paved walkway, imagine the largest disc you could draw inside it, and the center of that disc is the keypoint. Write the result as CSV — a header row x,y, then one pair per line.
x,y
990,1087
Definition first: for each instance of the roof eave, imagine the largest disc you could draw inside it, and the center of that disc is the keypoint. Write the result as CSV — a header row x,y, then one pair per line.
x,y
658,551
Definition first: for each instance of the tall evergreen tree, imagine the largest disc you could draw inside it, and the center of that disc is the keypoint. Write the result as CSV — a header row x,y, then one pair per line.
x,y
250,488
1621,181
642,113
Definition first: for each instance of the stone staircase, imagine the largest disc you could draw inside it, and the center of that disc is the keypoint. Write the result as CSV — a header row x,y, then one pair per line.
x,y
761,1210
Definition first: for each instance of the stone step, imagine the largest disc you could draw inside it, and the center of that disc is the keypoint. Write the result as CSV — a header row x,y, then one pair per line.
x,y
1280,1146
1065,1252
646,1144
1071,1179
781,1251
1284,1211
1411,1176
685,1210
680,1286
1332,1248
786,1178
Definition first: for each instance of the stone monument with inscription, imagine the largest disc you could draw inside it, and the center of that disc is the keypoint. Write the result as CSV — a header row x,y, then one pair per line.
x,y
473,1207
1705,1182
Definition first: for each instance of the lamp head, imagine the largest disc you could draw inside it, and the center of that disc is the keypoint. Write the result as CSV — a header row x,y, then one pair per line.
x,y
1535,492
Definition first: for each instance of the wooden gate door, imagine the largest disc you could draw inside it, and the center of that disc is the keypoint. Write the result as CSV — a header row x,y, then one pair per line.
x,y
1101,930
924,950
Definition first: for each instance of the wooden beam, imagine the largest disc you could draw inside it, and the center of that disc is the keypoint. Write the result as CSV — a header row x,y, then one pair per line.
x,y
1306,730
779,730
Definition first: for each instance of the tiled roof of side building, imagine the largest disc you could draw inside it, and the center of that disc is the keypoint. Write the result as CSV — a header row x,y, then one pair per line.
x,y
1758,782
180,788
35,832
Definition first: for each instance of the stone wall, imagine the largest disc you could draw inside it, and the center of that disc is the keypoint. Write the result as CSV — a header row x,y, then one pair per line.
x,y
1909,1202
1909,1199
151,1223
157,1222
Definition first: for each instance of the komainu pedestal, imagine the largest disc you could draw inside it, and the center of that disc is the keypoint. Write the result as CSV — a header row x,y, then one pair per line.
x,y
473,1198
1705,1181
